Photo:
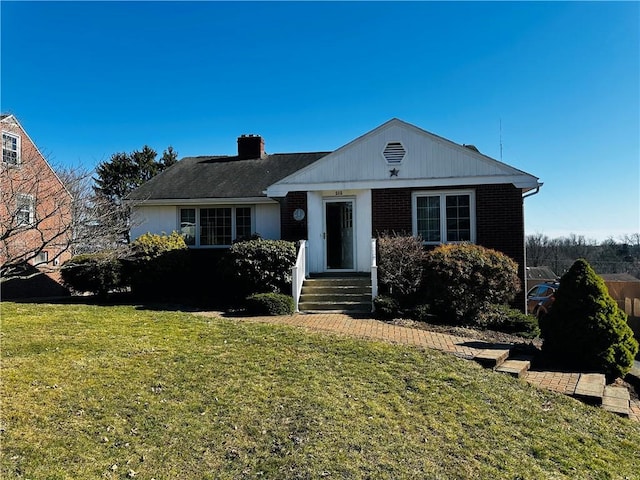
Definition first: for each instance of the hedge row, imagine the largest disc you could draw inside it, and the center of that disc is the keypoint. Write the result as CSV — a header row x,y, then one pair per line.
x,y
162,268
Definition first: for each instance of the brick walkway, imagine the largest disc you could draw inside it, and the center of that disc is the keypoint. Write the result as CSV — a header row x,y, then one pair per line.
x,y
367,328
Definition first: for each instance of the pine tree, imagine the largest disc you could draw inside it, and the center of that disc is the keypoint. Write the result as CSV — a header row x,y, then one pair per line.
x,y
586,329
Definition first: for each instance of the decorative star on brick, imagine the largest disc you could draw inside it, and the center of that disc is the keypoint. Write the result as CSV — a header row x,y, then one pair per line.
x,y
394,172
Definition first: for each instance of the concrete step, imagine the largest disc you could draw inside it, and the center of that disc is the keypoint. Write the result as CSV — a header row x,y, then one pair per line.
x,y
516,367
349,293
492,357
617,400
335,297
332,282
335,306
590,388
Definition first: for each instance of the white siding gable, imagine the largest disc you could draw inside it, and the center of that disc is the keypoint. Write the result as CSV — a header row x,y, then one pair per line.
x,y
429,161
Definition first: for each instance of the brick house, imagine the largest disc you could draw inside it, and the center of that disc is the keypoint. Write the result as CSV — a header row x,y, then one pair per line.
x,y
35,217
395,178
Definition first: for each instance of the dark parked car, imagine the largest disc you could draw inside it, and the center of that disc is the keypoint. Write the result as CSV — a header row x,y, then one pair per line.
x,y
541,297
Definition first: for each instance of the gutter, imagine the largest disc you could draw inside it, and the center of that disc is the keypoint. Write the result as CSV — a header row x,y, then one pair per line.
x,y
531,194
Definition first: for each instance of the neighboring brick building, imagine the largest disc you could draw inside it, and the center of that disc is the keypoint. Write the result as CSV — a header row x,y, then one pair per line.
x,y
35,216
395,178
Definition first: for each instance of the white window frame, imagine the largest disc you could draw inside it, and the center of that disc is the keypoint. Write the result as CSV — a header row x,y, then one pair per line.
x,y
233,222
24,200
443,194
17,150
41,258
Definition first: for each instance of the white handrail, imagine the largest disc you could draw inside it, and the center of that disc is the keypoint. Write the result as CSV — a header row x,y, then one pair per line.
x,y
298,273
374,273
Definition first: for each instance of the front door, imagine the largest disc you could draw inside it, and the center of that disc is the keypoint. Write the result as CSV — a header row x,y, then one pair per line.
x,y
339,238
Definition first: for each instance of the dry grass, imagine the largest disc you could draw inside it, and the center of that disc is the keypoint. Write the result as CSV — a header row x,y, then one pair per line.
x,y
119,392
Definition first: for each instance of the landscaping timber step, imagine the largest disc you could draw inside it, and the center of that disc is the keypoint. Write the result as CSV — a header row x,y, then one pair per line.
x,y
492,357
617,400
516,367
590,388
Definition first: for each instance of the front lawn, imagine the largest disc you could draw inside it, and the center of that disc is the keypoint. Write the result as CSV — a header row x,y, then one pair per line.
x,y
94,392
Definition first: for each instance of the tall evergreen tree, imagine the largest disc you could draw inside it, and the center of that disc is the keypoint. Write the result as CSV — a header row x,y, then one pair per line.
x,y
123,173
586,329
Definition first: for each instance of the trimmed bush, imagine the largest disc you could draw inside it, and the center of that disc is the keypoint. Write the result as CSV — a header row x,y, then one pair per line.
x,y
158,265
400,264
385,307
97,273
585,328
270,304
463,280
503,318
422,313
262,266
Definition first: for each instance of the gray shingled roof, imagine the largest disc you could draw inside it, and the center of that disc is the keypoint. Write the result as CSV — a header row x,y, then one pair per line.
x,y
222,177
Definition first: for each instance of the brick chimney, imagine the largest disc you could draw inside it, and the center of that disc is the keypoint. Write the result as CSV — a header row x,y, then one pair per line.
x,y
250,146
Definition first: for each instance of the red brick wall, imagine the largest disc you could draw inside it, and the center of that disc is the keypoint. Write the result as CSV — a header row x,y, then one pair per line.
x,y
34,177
499,218
292,229
391,211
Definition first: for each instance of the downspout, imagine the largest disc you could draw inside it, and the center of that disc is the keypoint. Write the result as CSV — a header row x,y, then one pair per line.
x,y
524,276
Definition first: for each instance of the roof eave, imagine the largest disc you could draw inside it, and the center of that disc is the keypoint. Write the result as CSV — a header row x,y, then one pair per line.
x,y
524,182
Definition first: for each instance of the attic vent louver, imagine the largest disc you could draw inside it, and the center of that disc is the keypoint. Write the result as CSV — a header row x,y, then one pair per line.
x,y
394,152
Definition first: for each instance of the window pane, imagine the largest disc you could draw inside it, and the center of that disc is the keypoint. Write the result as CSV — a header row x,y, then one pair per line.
x,y
215,226
458,218
9,149
428,218
243,223
188,225
24,210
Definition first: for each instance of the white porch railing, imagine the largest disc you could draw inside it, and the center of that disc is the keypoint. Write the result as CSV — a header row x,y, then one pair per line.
x,y
298,273
374,273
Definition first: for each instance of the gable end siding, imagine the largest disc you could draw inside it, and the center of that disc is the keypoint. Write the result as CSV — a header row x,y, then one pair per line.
x,y
290,228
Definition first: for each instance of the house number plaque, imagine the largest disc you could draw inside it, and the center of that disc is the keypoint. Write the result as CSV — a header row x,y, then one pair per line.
x,y
338,193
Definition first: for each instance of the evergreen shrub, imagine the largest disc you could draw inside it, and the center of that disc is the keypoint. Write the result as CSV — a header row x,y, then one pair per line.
x,y
262,266
463,280
270,304
386,307
158,266
586,329
503,318
97,273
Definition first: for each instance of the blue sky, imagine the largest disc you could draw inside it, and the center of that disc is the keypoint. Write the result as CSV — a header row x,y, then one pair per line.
x,y
552,88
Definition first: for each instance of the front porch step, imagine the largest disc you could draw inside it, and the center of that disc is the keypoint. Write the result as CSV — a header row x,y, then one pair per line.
x,y
334,307
332,293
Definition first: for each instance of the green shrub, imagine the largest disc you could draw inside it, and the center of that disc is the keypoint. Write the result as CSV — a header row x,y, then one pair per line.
x,y
503,318
400,264
261,266
586,328
422,313
96,273
158,265
385,307
270,304
462,280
